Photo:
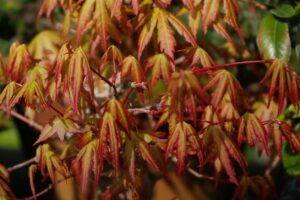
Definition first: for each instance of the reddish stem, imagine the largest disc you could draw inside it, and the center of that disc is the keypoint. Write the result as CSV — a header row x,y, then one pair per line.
x,y
22,164
24,119
222,66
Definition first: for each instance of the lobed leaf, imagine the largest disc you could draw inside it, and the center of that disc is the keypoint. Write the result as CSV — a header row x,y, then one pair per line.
x,y
87,161
78,70
253,131
109,133
283,81
179,139
60,126
161,68
210,12
119,113
225,83
226,150
49,162
19,61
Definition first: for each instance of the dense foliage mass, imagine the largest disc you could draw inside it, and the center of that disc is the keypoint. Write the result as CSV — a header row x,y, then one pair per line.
x,y
142,87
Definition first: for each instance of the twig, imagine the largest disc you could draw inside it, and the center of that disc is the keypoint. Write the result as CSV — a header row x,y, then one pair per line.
x,y
139,110
142,85
25,119
106,81
202,176
222,66
22,164
50,186
272,166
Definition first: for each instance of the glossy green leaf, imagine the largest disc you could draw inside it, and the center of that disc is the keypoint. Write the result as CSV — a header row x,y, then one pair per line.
x,y
273,39
284,11
291,160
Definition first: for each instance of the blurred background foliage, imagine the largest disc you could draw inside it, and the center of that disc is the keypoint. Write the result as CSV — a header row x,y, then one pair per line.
x,y
18,22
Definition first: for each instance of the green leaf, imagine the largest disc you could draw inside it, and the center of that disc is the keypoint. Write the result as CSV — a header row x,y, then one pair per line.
x,y
291,160
273,39
284,11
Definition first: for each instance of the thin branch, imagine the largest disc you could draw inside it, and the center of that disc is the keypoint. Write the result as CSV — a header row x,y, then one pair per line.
x,y
50,186
274,163
106,81
142,85
24,119
222,66
202,176
136,111
22,164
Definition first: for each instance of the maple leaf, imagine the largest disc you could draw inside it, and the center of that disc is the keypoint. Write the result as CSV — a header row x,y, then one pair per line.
x,y
104,24
160,19
185,91
165,35
87,160
183,135
190,6
45,44
49,162
283,81
7,94
85,18
119,113
109,133
228,112
147,33
112,56
78,69
209,116
95,13
198,56
282,131
225,149
61,126
161,67
29,91
194,22
220,29
181,29
132,66
31,172
48,6
118,10
210,12
225,82
231,8
19,61
61,62
253,131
